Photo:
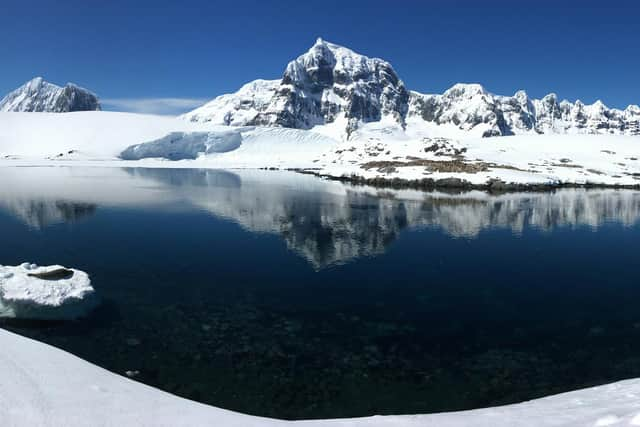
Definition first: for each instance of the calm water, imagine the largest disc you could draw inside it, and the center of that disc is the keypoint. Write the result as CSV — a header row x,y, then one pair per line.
x,y
283,295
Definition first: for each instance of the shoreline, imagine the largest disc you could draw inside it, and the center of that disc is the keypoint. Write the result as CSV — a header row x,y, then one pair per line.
x,y
494,186
446,184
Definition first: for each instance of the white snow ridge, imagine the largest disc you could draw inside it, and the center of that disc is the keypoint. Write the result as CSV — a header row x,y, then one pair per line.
x,y
49,293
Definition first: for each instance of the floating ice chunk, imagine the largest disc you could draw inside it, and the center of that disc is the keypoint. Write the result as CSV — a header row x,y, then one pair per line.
x,y
185,145
53,292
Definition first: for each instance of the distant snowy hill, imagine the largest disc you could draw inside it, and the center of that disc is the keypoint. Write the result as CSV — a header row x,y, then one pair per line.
x,y
38,95
468,106
332,85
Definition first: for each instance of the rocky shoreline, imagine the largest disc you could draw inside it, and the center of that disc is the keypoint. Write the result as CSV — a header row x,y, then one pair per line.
x,y
459,184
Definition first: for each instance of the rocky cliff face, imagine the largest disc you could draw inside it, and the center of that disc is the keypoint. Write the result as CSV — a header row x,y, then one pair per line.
x,y
39,96
331,84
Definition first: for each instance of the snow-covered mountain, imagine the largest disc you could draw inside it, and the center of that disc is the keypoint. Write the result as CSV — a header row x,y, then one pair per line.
x,y
38,95
331,84
470,106
328,84
237,109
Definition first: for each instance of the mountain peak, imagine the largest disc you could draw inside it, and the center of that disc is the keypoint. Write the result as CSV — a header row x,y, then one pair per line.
x,y
35,81
38,95
521,94
465,89
330,82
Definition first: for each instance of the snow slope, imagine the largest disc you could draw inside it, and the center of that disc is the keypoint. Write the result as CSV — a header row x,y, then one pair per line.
x,y
44,386
381,149
31,138
95,134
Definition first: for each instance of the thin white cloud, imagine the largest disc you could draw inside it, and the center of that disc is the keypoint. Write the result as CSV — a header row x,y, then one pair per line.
x,y
168,106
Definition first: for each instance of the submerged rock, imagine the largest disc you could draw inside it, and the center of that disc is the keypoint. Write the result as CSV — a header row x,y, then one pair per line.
x,y
53,292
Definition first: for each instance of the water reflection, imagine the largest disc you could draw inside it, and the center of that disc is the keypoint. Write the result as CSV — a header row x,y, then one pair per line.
x,y
41,213
325,222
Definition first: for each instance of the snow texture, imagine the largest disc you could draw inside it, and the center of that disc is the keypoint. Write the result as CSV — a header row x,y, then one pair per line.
x,y
26,292
44,386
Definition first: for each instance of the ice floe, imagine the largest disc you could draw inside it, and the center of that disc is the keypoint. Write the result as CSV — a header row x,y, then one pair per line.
x,y
28,291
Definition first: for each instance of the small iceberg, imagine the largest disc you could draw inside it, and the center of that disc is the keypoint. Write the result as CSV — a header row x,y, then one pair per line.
x,y
45,293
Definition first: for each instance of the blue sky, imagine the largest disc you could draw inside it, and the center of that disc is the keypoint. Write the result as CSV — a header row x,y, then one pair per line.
x,y
166,56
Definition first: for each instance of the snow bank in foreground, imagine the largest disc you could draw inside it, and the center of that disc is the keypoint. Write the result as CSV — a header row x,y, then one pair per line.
x,y
44,386
53,292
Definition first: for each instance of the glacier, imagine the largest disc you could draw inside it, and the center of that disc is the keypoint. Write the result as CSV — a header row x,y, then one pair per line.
x,y
185,145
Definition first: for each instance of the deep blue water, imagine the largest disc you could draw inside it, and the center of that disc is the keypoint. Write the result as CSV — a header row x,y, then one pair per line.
x,y
284,295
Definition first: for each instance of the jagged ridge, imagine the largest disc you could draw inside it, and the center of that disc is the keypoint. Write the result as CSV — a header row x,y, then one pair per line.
x,y
332,84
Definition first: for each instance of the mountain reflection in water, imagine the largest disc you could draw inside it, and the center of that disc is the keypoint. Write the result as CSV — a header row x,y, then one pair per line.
x,y
325,222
